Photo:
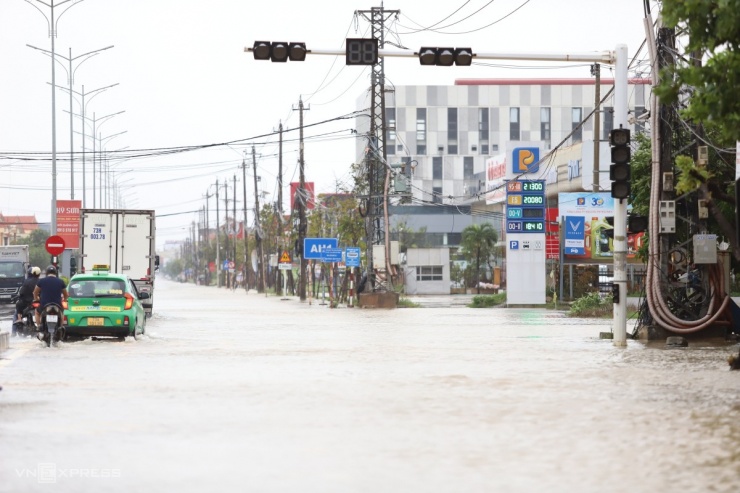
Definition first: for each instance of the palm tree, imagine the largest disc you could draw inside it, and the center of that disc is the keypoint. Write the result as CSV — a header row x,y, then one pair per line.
x,y
478,242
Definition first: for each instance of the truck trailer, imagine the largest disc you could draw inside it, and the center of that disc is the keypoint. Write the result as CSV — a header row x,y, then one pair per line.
x,y
123,240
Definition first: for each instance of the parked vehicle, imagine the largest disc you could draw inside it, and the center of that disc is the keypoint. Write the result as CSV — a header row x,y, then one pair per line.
x,y
26,326
14,261
52,324
104,304
124,241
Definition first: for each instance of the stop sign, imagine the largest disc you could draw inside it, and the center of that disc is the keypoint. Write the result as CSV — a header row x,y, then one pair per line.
x,y
55,245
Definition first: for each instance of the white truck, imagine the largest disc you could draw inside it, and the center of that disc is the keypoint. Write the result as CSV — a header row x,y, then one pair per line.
x,y
14,262
122,239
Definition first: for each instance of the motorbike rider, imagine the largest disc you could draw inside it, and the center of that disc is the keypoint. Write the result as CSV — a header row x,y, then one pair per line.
x,y
25,294
49,290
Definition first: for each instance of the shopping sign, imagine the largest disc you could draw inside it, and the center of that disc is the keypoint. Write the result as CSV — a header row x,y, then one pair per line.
x,y
575,235
313,248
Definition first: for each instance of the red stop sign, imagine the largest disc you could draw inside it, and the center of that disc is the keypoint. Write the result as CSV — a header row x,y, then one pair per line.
x,y
55,245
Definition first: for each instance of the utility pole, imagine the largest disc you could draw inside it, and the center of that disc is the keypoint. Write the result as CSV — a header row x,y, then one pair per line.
x,y
301,199
218,243
226,229
257,230
246,236
596,71
377,161
279,277
235,231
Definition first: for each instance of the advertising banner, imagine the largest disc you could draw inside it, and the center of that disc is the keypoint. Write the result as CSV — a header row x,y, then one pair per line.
x,y
68,222
588,236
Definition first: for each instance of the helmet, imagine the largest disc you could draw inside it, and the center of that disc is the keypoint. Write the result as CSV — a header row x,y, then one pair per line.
x,y
51,270
35,271
30,271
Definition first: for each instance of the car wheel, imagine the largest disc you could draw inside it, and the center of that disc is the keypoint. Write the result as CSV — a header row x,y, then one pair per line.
x,y
136,323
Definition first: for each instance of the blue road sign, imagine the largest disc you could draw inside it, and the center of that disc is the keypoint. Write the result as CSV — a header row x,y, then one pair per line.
x,y
575,235
314,247
513,245
332,255
225,265
352,256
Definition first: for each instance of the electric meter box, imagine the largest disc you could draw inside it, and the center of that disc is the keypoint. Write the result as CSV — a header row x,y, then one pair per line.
x,y
705,249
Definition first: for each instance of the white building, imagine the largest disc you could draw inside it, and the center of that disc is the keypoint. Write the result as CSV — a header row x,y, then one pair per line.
x,y
448,133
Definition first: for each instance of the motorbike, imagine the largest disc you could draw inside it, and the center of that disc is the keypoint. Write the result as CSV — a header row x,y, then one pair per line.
x,y
25,326
52,324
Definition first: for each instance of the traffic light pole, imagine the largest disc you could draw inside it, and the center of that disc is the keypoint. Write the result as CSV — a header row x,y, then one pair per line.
x,y
620,205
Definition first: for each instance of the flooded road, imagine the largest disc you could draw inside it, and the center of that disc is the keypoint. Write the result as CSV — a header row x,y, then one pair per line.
x,y
239,392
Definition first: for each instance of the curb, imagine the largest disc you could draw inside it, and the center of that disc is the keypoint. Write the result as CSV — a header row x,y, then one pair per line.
x,y
4,341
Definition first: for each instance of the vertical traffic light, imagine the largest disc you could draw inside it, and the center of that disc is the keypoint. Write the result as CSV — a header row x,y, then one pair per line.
x,y
619,171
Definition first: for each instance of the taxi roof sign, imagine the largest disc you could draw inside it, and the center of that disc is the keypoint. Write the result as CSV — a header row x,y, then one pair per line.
x,y
285,258
100,267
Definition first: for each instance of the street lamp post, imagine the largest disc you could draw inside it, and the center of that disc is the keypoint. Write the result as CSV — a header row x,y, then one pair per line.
x,y
52,34
100,170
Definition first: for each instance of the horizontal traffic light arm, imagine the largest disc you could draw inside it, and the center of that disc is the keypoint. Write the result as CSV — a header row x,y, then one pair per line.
x,y
607,57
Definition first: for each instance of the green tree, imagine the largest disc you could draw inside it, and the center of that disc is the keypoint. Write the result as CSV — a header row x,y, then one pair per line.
x,y
36,242
713,31
478,244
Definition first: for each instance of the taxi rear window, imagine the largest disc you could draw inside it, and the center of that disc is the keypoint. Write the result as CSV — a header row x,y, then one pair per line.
x,y
97,288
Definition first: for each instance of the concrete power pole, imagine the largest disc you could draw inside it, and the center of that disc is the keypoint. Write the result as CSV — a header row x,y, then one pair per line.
x,y
258,231
246,236
301,199
218,243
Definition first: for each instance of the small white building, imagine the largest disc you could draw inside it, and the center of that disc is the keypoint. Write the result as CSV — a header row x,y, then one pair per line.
x,y
427,271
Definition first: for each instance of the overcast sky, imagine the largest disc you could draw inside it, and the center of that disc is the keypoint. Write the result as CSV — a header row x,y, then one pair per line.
x,y
184,81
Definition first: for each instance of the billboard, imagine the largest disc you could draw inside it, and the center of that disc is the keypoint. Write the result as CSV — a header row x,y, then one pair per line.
x,y
68,222
587,238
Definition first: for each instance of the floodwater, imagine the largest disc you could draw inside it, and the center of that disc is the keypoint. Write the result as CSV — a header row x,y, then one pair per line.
x,y
236,392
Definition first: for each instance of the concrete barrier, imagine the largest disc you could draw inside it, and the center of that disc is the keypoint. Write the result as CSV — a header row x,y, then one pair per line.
x,y
4,341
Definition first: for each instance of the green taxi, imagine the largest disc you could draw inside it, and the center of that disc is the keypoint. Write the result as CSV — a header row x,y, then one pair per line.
x,y
104,304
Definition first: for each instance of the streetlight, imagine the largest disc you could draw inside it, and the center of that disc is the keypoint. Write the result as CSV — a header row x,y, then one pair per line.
x,y
52,34
94,93
100,160
70,80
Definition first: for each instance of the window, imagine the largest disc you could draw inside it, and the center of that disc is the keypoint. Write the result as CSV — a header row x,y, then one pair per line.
x,y
429,273
545,124
97,288
390,123
421,131
639,124
437,168
576,117
514,130
451,130
437,195
483,129
608,122
468,168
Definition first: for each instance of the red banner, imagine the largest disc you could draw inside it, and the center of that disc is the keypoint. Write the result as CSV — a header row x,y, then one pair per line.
x,y
310,197
68,222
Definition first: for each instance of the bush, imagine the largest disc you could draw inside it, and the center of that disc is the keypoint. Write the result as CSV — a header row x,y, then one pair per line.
x,y
591,305
487,301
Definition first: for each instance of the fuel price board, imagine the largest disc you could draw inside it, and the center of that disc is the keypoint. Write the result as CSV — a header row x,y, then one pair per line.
x,y
525,206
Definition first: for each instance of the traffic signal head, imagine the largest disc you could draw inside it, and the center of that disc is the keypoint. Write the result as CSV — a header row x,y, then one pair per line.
x,y
636,224
445,57
619,171
279,51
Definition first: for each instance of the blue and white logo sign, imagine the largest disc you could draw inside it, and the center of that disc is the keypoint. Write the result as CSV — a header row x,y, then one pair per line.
x,y
352,256
513,245
575,235
313,248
